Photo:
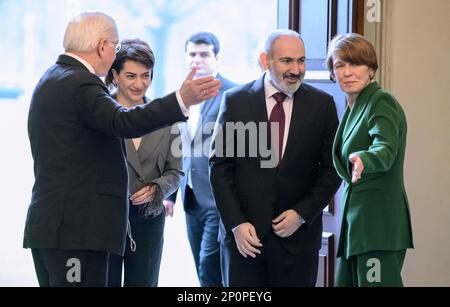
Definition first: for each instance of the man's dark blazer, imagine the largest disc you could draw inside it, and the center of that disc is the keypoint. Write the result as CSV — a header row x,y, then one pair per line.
x,y
80,196
305,181
198,164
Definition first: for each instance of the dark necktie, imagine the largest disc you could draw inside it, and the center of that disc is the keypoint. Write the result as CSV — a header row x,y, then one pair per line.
x,y
278,116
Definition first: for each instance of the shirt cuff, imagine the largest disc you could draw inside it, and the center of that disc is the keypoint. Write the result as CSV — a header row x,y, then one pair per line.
x,y
302,221
234,229
183,108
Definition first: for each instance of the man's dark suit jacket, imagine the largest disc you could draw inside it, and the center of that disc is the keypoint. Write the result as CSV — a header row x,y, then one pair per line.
x,y
80,196
305,181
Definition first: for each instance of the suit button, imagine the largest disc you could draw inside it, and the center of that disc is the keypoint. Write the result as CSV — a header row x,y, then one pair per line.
x,y
141,180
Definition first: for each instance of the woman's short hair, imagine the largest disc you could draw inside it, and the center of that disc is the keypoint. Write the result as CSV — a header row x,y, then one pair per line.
x,y
134,50
84,32
352,48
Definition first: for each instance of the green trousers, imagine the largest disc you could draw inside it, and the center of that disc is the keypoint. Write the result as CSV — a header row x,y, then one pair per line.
x,y
372,269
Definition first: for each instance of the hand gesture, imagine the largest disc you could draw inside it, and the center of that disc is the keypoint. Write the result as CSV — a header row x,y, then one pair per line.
x,y
195,91
357,167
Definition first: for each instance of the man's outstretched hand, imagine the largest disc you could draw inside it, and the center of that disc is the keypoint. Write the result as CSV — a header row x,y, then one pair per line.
x,y
195,91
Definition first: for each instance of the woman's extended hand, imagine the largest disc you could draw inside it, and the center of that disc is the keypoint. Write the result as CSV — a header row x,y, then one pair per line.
x,y
357,167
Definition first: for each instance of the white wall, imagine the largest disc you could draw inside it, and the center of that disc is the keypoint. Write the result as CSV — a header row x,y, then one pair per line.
x,y
420,79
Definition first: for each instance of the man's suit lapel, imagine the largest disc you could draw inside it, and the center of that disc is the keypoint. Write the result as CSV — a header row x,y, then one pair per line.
x,y
257,101
208,106
210,103
258,110
298,130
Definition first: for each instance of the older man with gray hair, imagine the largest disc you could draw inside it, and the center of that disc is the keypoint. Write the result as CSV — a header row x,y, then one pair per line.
x,y
79,207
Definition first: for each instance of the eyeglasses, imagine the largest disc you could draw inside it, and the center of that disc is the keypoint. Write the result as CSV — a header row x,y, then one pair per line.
x,y
118,45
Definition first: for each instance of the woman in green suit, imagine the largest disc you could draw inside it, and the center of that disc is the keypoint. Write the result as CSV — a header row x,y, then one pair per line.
x,y
368,154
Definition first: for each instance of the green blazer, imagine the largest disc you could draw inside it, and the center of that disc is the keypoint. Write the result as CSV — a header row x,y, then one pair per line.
x,y
375,209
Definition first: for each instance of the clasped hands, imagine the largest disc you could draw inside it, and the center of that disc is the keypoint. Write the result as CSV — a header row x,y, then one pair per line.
x,y
144,195
194,91
247,241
